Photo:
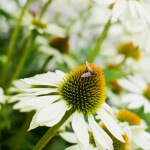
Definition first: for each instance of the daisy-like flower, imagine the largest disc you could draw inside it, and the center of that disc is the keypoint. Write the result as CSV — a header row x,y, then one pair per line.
x,y
138,137
82,90
139,92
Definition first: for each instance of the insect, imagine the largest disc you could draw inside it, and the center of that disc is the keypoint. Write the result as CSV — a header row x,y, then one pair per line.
x,y
89,71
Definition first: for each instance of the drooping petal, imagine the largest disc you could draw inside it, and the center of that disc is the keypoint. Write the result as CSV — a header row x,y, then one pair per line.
x,y
69,137
36,102
51,112
100,136
111,124
80,129
33,124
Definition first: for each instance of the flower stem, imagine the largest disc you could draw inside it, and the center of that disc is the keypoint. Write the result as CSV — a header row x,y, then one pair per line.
x,y
13,42
22,131
52,131
23,59
44,8
99,41
45,63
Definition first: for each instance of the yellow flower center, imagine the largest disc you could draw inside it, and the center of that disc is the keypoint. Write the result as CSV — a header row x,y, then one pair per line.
x,y
129,50
39,24
117,145
84,89
128,116
116,87
146,92
60,43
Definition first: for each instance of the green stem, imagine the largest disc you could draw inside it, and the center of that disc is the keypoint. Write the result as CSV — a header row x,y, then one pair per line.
x,y
23,59
44,8
22,131
45,63
13,42
52,131
99,42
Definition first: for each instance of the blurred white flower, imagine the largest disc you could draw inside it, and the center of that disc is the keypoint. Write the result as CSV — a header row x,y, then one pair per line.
x,y
138,92
135,128
60,92
2,97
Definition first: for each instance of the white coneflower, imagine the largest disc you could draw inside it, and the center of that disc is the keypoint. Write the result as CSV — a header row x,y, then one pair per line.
x,y
135,127
82,90
139,92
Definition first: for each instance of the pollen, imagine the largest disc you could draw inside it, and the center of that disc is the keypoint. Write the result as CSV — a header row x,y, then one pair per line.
x,y
116,87
84,94
117,145
146,92
128,116
128,49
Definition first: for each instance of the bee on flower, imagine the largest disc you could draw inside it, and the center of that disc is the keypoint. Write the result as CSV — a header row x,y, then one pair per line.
x,y
83,92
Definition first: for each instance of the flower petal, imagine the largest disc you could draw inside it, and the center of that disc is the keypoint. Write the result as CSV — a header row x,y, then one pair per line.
x,y
80,129
100,136
49,78
128,85
111,124
69,137
51,112
36,102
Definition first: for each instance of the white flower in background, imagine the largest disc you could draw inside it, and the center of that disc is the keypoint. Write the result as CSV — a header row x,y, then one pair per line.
x,y
142,39
132,13
58,48
138,92
135,128
82,90
42,26
2,97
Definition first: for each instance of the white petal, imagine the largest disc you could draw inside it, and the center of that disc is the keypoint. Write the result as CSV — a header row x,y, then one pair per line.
x,y
141,83
35,102
51,112
57,119
74,147
111,124
80,129
134,100
142,141
33,124
69,137
60,73
49,78
108,109
128,85
100,136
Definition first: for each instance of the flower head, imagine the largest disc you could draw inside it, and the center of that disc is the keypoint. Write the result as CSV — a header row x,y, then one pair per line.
x,y
82,90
